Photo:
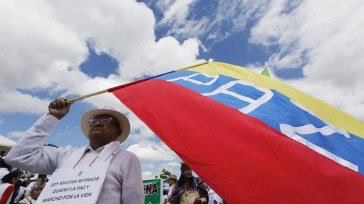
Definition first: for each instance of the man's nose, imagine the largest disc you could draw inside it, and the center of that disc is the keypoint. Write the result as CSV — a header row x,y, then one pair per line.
x,y
98,123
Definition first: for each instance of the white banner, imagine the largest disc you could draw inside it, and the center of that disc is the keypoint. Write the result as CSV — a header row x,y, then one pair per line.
x,y
74,186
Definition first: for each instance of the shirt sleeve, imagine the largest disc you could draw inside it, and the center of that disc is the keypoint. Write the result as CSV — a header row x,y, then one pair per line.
x,y
30,154
22,202
132,187
30,186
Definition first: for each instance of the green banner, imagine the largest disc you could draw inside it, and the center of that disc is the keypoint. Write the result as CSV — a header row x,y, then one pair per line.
x,y
153,191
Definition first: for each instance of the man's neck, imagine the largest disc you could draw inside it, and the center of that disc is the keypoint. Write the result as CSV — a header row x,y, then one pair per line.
x,y
96,145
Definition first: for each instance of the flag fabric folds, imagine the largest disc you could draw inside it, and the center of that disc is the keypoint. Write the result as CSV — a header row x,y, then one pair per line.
x,y
252,138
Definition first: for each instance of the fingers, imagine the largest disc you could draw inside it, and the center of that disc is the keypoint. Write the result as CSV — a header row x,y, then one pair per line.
x,y
59,103
59,107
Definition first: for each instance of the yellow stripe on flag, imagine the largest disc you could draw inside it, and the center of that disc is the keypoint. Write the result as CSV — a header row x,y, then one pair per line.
x,y
323,110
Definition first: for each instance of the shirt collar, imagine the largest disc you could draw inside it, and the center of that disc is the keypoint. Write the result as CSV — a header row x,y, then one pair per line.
x,y
98,150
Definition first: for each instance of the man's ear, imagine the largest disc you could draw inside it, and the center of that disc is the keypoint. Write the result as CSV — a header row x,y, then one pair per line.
x,y
118,133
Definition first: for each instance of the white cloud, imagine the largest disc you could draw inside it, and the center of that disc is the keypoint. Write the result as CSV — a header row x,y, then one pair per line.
x,y
32,41
174,164
165,55
147,175
324,38
350,101
219,22
15,101
44,43
149,166
143,131
176,12
152,151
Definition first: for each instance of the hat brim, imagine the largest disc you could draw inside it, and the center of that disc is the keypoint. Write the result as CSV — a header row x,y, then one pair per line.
x,y
123,120
172,176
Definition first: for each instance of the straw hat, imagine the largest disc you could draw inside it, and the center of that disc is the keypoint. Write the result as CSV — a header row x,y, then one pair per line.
x,y
172,176
123,121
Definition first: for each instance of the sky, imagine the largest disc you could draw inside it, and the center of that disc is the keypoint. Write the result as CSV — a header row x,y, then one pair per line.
x,y
64,48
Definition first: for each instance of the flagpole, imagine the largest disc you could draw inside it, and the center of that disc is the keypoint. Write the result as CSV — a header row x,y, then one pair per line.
x,y
133,82
86,96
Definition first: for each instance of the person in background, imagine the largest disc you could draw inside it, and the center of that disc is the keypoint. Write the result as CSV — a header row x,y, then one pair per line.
x,y
4,168
18,194
7,186
41,181
34,194
218,199
165,197
2,154
172,180
189,189
105,128
16,187
211,193
29,180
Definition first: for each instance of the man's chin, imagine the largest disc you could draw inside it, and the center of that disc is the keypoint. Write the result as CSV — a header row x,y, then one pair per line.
x,y
95,134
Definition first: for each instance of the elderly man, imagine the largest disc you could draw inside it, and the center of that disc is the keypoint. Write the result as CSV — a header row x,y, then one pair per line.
x,y
118,172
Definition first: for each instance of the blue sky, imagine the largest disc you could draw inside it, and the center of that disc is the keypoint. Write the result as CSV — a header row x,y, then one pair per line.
x,y
52,49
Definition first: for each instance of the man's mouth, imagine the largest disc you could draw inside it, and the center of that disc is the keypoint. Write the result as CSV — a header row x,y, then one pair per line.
x,y
95,129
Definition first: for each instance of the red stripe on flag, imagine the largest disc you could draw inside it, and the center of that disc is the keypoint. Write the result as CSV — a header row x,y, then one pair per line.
x,y
240,157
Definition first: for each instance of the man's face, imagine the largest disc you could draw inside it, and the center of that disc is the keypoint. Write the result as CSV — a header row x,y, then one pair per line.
x,y
36,192
15,179
104,130
42,178
171,182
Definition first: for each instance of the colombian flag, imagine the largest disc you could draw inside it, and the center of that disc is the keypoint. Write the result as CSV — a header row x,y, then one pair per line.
x,y
253,139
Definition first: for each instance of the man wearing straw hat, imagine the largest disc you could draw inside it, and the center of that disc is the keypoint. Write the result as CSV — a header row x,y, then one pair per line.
x,y
100,172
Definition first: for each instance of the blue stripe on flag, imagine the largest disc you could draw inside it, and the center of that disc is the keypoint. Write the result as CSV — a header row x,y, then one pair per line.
x,y
277,111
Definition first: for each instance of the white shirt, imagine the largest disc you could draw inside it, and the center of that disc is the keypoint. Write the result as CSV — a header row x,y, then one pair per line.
x,y
123,183
31,185
3,172
3,188
20,194
218,199
211,196
27,200
171,189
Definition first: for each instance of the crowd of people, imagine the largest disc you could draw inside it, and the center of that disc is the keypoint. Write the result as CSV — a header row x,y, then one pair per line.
x,y
17,190
186,189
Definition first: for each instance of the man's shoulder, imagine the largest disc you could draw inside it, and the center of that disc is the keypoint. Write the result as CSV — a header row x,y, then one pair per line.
x,y
4,186
127,153
126,157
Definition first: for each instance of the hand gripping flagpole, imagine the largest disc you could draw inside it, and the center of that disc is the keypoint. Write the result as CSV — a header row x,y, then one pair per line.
x,y
134,82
